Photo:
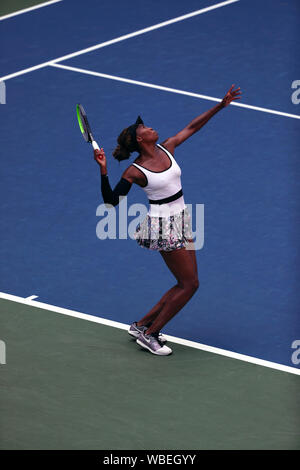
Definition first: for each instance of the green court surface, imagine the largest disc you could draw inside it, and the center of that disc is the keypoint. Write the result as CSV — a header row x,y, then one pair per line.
x,y
10,6
69,383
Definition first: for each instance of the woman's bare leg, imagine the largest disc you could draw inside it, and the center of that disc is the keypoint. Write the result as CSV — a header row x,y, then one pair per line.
x,y
153,313
182,263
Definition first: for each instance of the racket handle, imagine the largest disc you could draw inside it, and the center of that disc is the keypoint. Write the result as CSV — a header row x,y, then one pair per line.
x,y
95,145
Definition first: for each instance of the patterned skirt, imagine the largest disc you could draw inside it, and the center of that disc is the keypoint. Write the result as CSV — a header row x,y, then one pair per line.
x,y
165,233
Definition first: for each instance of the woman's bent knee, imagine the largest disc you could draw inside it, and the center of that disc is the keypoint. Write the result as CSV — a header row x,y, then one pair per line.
x,y
195,285
191,285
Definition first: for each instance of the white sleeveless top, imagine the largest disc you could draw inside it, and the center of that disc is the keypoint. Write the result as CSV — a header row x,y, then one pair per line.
x,y
163,184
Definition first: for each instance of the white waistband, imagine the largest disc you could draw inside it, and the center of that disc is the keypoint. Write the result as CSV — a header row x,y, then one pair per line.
x,y
164,210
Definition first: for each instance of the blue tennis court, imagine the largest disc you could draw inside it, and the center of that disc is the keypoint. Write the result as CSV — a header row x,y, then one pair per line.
x,y
168,62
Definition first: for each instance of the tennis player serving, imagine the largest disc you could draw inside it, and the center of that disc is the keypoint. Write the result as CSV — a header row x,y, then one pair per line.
x,y
167,226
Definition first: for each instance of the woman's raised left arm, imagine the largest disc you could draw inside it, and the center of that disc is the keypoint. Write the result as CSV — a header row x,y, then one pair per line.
x,y
196,124
199,121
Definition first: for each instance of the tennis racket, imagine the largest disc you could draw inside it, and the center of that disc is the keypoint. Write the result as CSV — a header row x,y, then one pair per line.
x,y
85,127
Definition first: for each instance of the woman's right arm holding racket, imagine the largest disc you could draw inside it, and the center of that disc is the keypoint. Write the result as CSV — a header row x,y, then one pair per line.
x,y
122,188
100,158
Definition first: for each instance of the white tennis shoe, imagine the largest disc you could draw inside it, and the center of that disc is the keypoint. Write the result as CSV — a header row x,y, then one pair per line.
x,y
135,331
153,344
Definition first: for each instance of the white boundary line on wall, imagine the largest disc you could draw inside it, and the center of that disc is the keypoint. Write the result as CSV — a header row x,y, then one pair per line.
x,y
173,339
26,10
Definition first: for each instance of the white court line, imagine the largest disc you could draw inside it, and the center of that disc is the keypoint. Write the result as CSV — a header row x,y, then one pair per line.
x,y
25,10
32,297
121,38
172,90
173,339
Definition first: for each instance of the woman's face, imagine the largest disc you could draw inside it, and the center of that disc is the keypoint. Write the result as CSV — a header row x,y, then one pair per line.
x,y
147,134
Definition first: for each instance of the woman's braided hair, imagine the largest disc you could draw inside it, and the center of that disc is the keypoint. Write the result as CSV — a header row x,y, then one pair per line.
x,y
126,145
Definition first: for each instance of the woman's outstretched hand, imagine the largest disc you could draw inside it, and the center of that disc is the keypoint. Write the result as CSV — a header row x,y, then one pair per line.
x,y
100,158
231,95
